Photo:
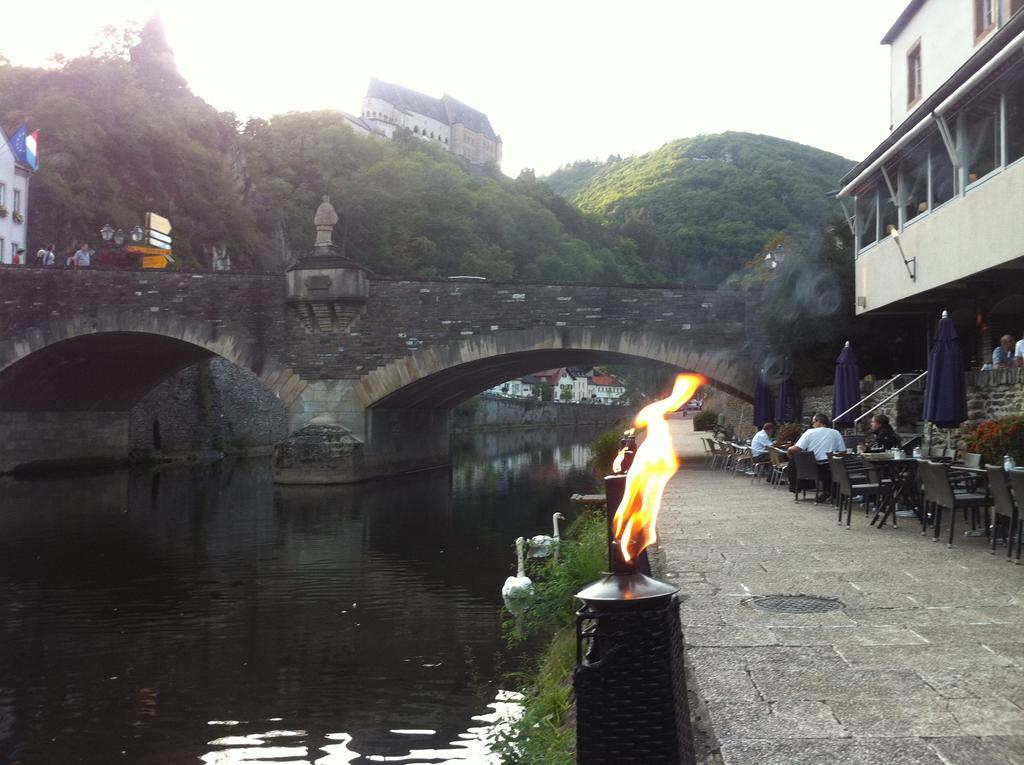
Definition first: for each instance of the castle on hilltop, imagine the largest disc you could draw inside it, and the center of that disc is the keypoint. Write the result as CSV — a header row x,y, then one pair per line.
x,y
457,127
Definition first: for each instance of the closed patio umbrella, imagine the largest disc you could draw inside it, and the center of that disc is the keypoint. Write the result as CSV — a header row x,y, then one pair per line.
x,y
787,405
764,409
945,397
846,389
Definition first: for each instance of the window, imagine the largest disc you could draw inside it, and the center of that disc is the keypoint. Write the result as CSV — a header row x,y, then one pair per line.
x,y
913,183
2,250
984,17
981,139
914,84
17,200
943,182
14,250
889,214
866,217
3,193
1014,95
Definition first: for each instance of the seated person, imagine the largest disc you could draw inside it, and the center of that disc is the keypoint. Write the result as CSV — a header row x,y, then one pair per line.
x,y
761,441
1002,354
885,436
821,439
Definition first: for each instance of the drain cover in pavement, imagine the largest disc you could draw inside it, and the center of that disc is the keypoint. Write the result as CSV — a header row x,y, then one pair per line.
x,y
796,604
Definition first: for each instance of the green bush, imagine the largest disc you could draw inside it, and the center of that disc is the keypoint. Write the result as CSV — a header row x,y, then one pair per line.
x,y
583,555
603,450
544,734
705,419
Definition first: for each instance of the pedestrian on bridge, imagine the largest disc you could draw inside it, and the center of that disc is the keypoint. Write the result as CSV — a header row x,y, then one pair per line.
x,y
82,257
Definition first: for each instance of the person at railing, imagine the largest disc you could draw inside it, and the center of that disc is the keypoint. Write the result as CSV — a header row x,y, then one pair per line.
x,y
1002,354
761,441
1018,352
885,436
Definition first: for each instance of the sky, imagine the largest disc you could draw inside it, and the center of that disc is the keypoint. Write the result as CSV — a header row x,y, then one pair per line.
x,y
560,80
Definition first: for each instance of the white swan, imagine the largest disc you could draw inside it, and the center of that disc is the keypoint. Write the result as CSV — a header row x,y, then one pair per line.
x,y
518,589
543,546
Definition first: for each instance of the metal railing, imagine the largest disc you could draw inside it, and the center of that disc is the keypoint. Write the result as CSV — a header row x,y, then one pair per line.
x,y
891,396
872,393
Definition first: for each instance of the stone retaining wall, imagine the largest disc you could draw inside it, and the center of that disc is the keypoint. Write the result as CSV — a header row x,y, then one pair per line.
x,y
497,412
212,407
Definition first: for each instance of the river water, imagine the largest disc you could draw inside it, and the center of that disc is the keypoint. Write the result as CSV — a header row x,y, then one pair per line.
x,y
201,614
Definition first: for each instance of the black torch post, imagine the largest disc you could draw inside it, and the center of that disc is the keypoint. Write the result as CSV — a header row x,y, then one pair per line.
x,y
629,681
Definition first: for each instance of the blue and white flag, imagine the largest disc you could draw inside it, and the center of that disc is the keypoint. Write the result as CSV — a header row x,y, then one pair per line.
x,y
25,146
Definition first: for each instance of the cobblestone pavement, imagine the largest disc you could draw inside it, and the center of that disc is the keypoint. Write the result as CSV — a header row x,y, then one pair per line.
x,y
925,664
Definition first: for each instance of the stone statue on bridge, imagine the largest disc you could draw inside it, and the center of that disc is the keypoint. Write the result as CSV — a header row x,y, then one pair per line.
x,y
325,219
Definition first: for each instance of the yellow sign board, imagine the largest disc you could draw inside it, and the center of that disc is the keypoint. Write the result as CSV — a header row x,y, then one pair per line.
x,y
158,223
141,249
154,261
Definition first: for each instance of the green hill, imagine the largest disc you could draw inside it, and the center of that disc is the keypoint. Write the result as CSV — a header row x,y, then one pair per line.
x,y
121,134
699,208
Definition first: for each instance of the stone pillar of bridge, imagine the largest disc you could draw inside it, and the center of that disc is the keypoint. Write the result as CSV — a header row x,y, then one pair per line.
x,y
326,293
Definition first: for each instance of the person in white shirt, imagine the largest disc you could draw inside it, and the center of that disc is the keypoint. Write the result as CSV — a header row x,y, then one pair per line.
x,y
761,441
821,439
1018,352
82,257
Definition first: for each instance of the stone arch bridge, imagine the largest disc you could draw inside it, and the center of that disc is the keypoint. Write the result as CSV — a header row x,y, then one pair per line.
x,y
386,359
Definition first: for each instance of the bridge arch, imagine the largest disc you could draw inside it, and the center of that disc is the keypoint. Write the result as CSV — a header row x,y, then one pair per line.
x,y
443,375
109,362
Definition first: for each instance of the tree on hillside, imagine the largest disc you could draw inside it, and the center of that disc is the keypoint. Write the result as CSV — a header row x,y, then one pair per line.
x,y
410,207
117,140
698,208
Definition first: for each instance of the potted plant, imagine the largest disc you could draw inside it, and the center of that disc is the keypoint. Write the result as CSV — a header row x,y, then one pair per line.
x,y
994,439
3,211
17,217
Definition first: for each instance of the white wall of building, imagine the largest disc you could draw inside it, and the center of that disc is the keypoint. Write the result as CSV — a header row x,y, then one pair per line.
x,y
13,179
946,31
983,229
387,117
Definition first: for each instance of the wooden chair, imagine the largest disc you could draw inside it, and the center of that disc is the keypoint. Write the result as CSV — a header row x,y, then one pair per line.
x,y
777,459
741,456
705,442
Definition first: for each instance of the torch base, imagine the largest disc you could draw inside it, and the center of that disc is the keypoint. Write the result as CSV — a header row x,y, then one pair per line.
x,y
630,684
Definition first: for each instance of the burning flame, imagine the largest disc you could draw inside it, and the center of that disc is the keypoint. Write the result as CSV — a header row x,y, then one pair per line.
x,y
654,464
617,462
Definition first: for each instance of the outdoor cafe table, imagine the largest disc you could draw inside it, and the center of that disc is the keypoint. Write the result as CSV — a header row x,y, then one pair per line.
x,y
902,470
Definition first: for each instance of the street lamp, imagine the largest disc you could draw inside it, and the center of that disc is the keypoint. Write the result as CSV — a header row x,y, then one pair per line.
x,y
107,232
119,237
137,233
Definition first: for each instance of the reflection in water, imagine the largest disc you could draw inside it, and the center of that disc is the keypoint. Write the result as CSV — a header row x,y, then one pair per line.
x,y
202,614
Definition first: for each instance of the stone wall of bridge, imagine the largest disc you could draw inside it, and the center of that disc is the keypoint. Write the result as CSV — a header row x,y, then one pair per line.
x,y
99,340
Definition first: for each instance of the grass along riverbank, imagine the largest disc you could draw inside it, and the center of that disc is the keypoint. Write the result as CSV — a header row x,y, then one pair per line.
x,y
545,734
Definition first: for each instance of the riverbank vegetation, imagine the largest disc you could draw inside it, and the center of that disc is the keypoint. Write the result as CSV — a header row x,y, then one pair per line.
x,y
545,733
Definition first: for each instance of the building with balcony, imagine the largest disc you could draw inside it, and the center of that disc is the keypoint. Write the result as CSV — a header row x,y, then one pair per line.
x,y
14,183
935,208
